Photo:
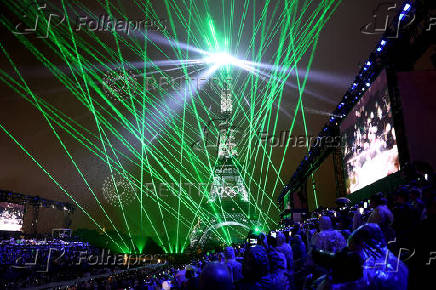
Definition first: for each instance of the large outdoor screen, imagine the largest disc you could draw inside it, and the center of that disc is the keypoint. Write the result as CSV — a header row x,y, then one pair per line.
x,y
370,150
11,216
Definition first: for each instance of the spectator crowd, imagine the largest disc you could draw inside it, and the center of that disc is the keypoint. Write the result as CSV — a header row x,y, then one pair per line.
x,y
382,243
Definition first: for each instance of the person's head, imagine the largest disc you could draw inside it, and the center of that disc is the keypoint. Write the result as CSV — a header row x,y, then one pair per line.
x,y
281,239
262,240
325,223
378,199
414,193
367,236
229,253
256,263
190,272
402,195
215,276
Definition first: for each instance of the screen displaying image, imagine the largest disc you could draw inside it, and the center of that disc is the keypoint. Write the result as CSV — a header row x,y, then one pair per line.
x,y
370,150
11,216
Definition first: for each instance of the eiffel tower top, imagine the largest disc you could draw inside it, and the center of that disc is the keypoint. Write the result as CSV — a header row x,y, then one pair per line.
x,y
227,179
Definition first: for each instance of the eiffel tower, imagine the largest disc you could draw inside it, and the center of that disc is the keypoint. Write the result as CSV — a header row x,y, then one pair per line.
x,y
228,196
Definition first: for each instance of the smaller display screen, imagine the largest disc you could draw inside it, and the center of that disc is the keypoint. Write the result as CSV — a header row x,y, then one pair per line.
x,y
11,216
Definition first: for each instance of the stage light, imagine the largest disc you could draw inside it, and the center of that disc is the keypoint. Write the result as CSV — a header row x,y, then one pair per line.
x,y
405,10
220,59
382,44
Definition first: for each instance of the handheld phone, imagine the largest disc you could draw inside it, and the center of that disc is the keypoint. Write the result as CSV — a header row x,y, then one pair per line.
x,y
290,233
365,205
361,209
273,234
253,242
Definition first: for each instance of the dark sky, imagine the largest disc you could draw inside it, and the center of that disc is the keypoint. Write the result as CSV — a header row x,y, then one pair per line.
x,y
342,47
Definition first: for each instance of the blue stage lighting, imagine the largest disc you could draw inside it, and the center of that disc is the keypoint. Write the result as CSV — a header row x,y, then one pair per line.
x,y
405,10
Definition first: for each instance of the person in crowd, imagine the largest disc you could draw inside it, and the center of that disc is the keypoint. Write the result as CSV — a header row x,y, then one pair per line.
x,y
345,270
382,216
234,266
278,269
416,202
180,278
221,258
381,268
255,270
298,249
423,261
285,249
191,282
215,276
328,239
357,219
404,219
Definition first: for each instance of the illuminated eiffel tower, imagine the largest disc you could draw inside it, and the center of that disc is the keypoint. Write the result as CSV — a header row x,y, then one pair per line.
x,y
228,196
